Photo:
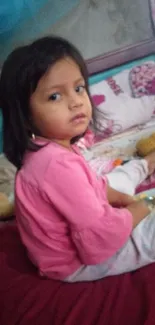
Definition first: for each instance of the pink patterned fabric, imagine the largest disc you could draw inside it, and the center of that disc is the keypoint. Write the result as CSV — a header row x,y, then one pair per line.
x,y
142,80
87,141
149,183
98,99
101,165
114,86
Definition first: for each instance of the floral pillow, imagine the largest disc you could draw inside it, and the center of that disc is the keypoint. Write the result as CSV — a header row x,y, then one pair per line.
x,y
142,80
122,101
116,112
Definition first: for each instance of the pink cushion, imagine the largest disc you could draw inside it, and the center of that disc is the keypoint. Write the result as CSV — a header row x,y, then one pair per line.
x,y
26,299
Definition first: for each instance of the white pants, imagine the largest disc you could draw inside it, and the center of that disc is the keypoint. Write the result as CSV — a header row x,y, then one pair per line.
x,y
139,250
127,177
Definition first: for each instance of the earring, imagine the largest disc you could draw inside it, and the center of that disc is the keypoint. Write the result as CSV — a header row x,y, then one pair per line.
x,y
33,136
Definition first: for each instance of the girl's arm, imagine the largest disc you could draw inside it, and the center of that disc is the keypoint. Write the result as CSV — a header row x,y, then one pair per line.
x,y
138,209
118,199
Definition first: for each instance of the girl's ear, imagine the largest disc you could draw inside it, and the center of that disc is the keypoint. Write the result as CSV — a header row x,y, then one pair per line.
x,y
31,129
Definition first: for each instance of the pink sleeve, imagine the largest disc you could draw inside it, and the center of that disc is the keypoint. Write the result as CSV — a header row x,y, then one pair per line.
x,y
98,230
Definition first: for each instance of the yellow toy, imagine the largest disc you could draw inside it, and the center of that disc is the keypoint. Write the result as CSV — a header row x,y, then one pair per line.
x,y
6,207
146,145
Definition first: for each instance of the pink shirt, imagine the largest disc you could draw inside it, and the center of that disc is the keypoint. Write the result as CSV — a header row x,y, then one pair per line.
x,y
64,218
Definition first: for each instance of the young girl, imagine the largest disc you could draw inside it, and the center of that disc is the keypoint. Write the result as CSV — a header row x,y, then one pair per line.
x,y
75,226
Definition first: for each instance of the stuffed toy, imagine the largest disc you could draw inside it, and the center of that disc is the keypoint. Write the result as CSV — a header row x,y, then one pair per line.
x,y
7,178
146,145
6,207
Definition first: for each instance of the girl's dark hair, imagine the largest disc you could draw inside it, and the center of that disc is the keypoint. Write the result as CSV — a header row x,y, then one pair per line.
x,y
20,74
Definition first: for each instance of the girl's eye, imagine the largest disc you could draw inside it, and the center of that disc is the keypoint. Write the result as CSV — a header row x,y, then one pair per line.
x,y
55,97
80,89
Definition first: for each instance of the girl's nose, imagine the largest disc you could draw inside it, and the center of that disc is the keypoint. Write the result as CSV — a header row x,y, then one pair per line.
x,y
75,101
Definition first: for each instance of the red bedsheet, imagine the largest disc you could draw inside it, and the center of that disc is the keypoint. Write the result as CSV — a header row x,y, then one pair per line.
x,y
26,299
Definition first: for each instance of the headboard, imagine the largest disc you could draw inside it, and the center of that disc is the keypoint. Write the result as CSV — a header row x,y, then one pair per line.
x,y
122,56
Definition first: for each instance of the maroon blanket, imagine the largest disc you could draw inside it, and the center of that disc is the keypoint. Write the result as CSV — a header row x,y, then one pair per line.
x,y
26,299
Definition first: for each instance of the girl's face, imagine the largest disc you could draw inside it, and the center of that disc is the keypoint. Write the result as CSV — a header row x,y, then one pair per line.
x,y
60,106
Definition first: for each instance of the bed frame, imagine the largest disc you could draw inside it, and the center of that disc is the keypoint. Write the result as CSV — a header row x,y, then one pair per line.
x,y
121,56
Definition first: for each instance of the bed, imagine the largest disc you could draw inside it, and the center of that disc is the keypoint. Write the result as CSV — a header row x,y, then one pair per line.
x,y
27,299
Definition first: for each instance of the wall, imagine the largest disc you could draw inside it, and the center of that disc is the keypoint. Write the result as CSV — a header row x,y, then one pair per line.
x,y
94,26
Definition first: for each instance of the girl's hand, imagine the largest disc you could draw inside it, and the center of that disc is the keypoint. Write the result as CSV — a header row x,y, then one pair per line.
x,y
139,210
118,199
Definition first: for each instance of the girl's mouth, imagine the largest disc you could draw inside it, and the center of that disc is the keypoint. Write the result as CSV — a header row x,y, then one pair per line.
x,y
78,118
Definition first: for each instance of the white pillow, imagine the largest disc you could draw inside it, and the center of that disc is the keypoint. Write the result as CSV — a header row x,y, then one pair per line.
x,y
116,113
